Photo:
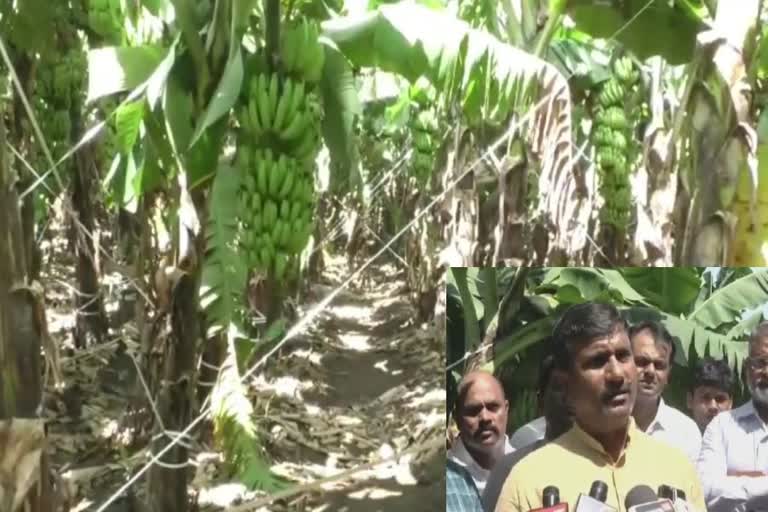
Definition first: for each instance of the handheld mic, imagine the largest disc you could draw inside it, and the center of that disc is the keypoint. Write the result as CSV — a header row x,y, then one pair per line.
x,y
550,499
595,502
642,499
676,496
550,496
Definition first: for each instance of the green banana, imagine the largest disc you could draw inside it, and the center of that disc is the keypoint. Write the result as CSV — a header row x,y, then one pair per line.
x,y
261,170
270,214
280,262
296,208
285,210
611,94
305,149
273,98
253,115
282,105
262,97
296,126
266,257
313,70
288,183
613,117
276,173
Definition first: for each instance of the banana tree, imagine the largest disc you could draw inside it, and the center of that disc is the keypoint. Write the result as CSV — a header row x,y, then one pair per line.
x,y
492,83
722,173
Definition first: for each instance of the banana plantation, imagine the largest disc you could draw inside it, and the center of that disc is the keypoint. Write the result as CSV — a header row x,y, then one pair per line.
x,y
239,235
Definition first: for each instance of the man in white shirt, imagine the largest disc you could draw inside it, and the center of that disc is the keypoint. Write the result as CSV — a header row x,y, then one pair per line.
x,y
654,351
481,416
733,463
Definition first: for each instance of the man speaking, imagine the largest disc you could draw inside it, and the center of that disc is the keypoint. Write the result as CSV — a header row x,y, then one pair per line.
x,y
595,364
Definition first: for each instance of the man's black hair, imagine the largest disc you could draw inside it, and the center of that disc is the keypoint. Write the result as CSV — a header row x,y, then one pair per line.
x,y
545,373
582,324
712,372
658,332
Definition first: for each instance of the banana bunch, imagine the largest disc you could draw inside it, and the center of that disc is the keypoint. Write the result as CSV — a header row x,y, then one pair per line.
x,y
275,209
282,111
104,17
62,81
611,136
301,53
423,134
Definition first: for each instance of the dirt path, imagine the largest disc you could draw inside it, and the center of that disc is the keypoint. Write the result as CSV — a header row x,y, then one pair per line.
x,y
377,382
362,384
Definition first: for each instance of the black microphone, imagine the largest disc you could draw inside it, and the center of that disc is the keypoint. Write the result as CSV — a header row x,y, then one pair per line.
x,y
676,496
595,502
550,499
599,490
551,496
641,498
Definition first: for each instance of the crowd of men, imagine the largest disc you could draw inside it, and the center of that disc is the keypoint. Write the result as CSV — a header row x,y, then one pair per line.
x,y
603,419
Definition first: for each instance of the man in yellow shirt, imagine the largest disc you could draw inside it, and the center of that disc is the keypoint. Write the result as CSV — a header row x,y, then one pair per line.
x,y
594,362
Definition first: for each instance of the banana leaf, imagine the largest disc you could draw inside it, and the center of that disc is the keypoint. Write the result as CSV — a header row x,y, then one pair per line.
x,y
728,303
489,77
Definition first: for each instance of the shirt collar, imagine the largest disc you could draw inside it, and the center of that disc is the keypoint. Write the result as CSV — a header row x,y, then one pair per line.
x,y
463,457
660,422
593,444
748,413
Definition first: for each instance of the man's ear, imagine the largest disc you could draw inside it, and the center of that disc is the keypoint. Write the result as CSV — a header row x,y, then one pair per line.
x,y
506,406
560,379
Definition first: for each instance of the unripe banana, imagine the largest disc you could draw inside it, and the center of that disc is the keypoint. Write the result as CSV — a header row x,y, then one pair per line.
x,y
262,97
282,105
288,183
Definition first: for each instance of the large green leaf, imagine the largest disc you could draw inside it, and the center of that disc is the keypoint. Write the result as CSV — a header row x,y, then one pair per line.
x,y
575,285
671,289
472,334
127,123
691,335
341,105
114,69
225,95
518,341
489,77
726,304
646,27
235,431
224,271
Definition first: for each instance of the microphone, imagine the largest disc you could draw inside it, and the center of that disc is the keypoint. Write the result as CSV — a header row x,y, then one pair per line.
x,y
550,499
642,499
595,502
676,496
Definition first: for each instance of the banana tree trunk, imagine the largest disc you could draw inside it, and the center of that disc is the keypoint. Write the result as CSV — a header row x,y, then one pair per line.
x,y
175,389
91,317
22,317
723,137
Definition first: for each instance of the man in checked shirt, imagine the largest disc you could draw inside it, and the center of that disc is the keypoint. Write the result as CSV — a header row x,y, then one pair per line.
x,y
460,492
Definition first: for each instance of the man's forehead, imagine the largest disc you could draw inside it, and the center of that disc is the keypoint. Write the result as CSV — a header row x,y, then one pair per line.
x,y
484,388
617,339
710,390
